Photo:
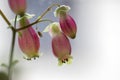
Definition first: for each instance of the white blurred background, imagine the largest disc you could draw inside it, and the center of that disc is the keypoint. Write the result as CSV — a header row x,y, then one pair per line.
x,y
95,51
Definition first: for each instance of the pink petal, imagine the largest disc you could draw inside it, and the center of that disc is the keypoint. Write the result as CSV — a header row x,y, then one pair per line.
x,y
61,47
18,6
68,26
29,42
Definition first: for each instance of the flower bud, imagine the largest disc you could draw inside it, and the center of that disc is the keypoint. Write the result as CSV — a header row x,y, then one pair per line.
x,y
28,40
67,23
60,44
18,6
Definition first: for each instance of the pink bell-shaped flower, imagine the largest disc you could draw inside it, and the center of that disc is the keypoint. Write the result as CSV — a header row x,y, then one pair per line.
x,y
28,40
60,44
18,6
67,23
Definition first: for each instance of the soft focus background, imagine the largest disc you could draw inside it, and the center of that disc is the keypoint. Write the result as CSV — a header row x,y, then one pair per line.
x,y
96,49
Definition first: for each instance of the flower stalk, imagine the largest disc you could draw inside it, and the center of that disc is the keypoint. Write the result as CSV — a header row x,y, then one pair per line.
x,y
11,55
12,44
12,51
6,20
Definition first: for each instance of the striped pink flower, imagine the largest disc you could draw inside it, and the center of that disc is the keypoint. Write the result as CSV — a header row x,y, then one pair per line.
x,y
18,6
28,40
60,44
67,23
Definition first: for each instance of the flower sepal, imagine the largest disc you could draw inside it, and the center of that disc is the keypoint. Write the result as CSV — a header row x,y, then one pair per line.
x,y
26,15
61,10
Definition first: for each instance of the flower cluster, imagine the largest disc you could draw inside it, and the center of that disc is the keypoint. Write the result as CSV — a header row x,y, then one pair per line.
x,y
60,44
60,32
28,39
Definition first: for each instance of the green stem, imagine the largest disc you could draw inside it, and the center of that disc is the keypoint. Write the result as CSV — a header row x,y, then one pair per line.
x,y
39,18
12,51
11,56
6,20
47,10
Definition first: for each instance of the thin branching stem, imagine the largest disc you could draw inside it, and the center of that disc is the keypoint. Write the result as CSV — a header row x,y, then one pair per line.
x,y
47,10
6,20
39,18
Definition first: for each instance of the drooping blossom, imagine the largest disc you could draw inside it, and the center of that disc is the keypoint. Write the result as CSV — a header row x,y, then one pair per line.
x,y
67,23
28,40
60,44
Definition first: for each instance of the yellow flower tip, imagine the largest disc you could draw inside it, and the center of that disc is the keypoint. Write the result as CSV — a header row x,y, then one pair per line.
x,y
70,60
65,61
60,63
31,57
73,36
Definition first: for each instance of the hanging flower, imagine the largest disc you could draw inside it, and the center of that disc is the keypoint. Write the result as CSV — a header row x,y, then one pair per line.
x,y
60,44
18,6
28,40
67,23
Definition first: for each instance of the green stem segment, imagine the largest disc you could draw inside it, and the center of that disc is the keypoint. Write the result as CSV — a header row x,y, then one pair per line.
x,y
4,17
11,56
12,45
6,20
12,51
